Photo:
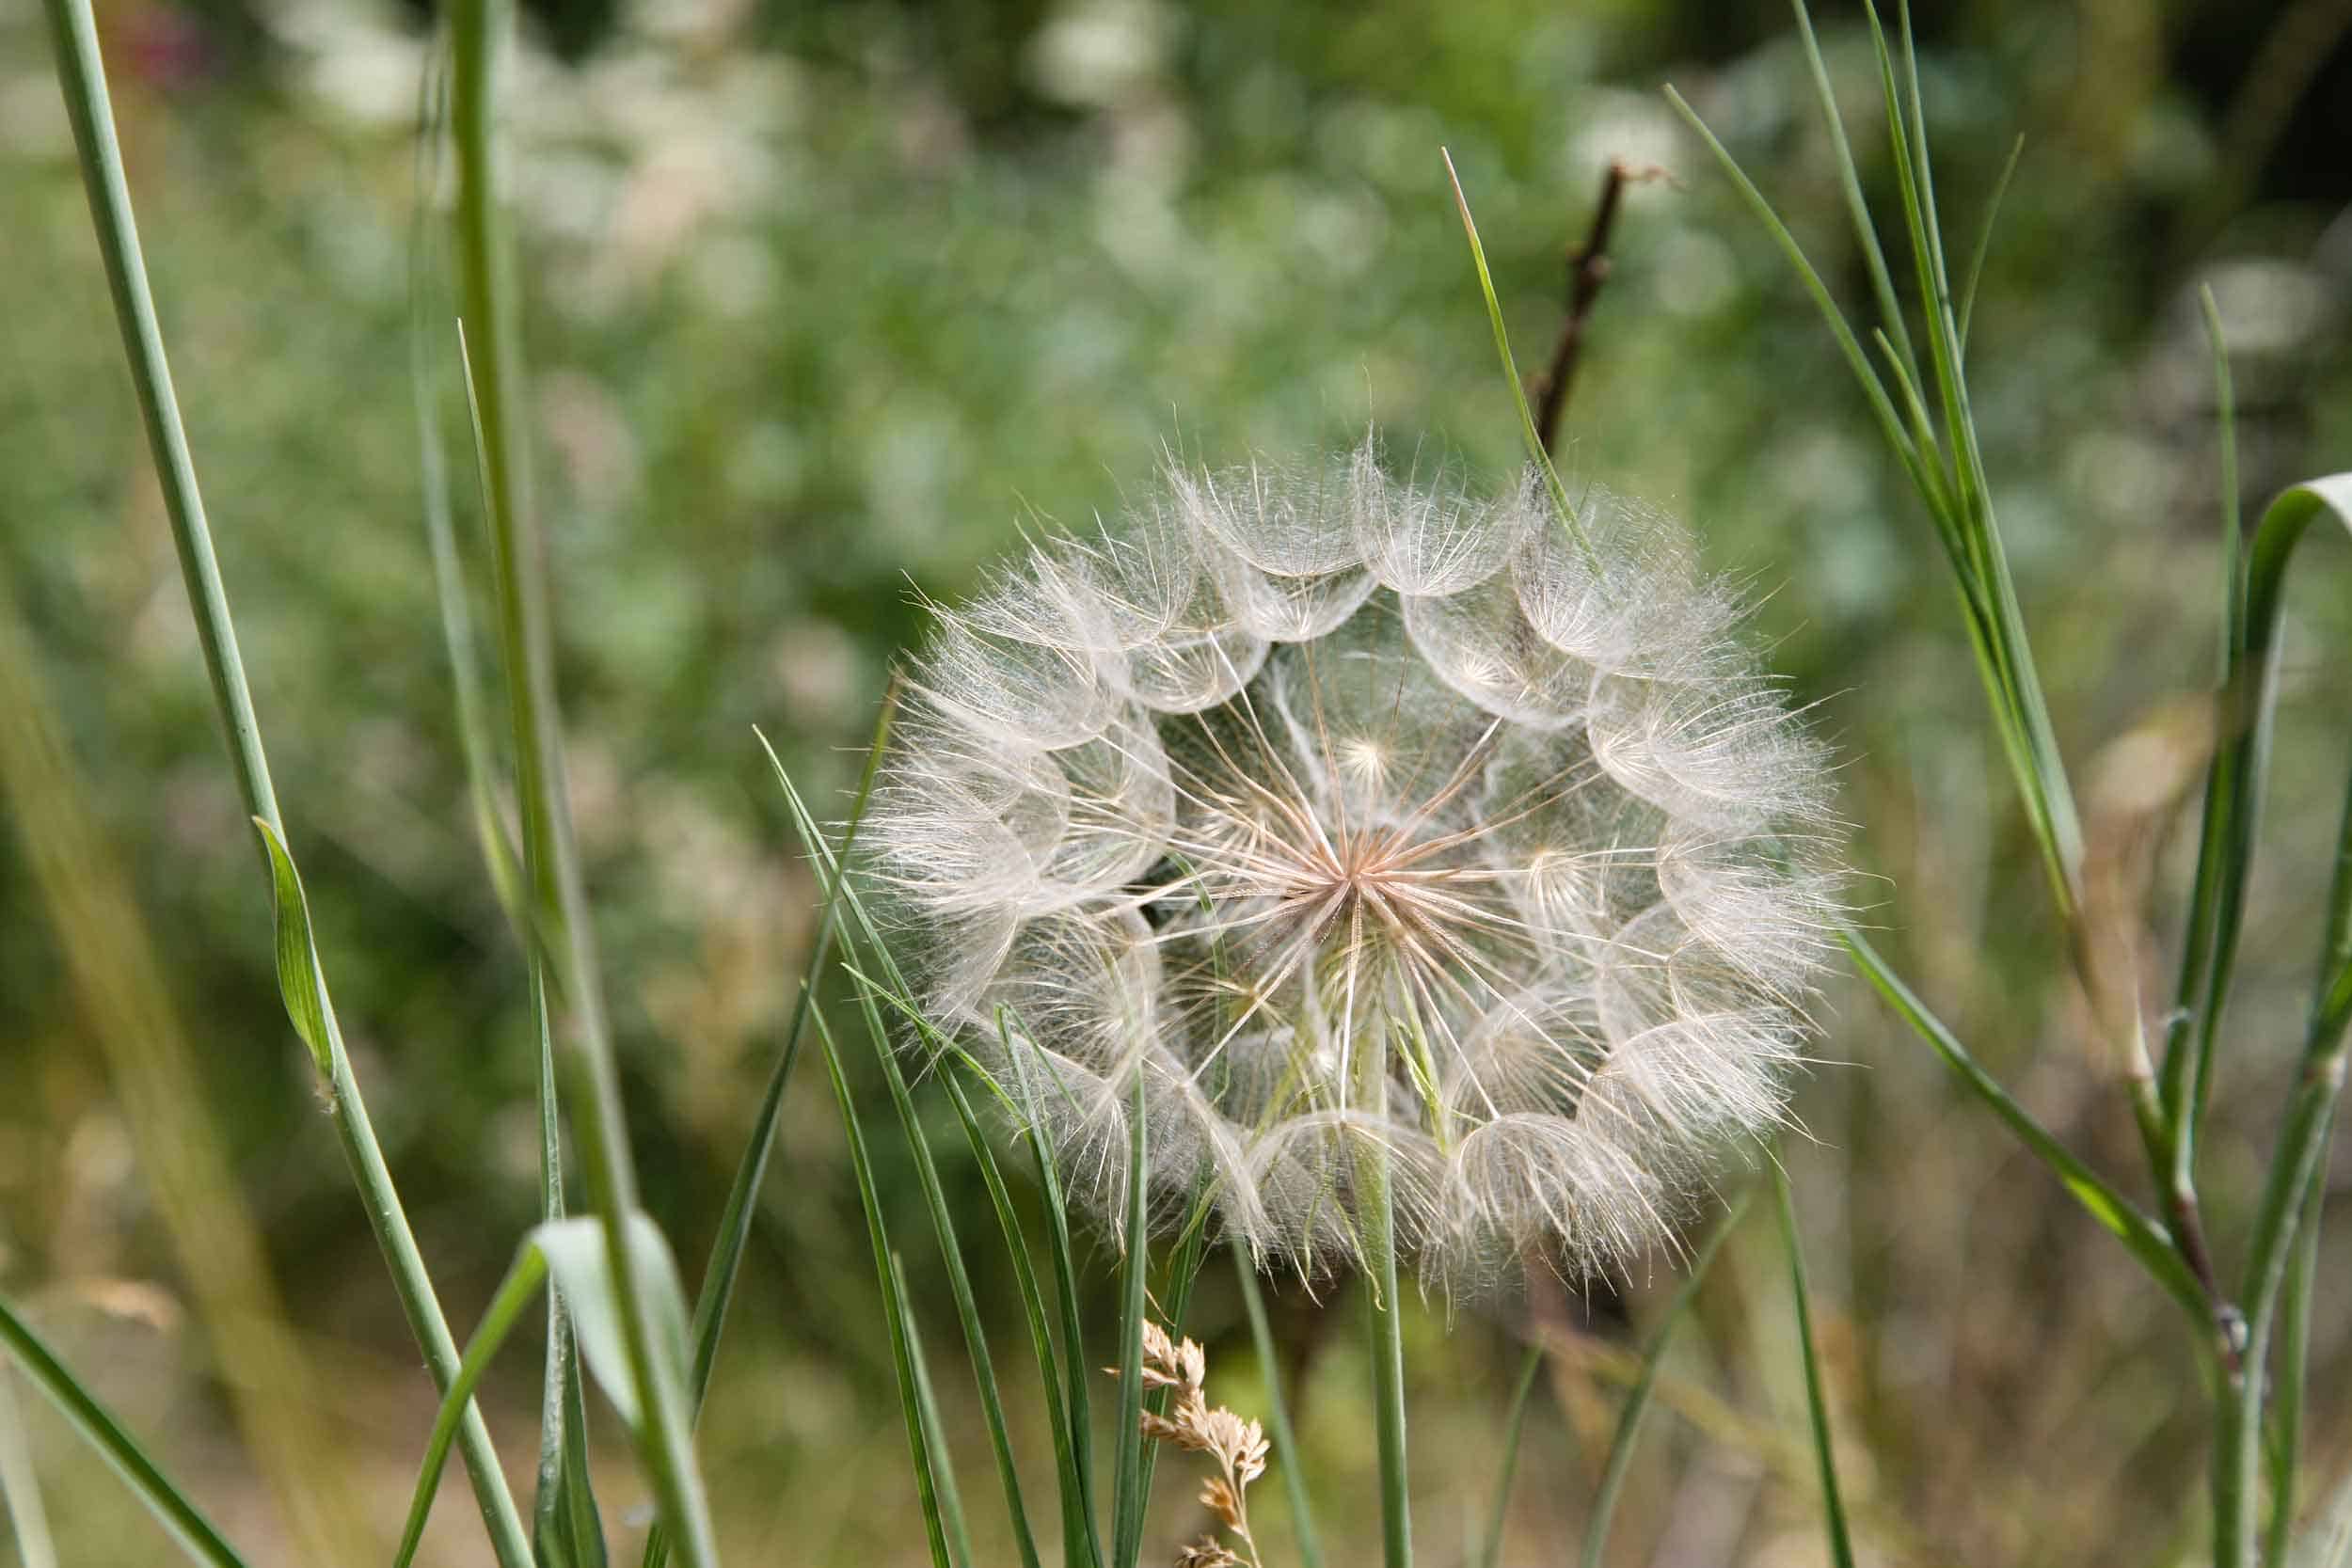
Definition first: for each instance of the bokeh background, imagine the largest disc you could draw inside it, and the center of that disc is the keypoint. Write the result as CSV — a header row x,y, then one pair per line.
x,y
825,300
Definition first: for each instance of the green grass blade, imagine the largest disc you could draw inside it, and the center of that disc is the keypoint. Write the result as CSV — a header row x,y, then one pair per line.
x,y
565,1524
2243,756
1873,390
523,1279
935,1430
1833,1502
1636,1406
20,1487
2286,1453
918,1441
1514,1426
1857,210
734,1220
559,905
1537,452
182,1519
1127,1477
1278,1408
2145,1239
1984,239
942,1220
1079,1544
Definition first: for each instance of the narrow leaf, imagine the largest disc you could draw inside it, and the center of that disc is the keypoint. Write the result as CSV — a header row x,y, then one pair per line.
x,y
299,980
1277,1409
523,1279
2146,1240
182,1519
577,1256
1637,1397
1513,1425
1833,1503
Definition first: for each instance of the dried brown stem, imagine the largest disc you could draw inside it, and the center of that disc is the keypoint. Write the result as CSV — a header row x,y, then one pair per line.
x,y
1588,269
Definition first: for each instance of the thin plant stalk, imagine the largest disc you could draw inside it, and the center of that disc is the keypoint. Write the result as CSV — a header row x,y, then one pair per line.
x,y
559,903
1637,1397
1278,1408
180,1517
1816,1401
1386,1322
82,76
1506,1469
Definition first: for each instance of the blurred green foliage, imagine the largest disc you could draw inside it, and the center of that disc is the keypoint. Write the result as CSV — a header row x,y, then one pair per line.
x,y
827,301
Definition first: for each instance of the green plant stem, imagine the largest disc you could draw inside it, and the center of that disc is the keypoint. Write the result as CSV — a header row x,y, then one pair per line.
x,y
1278,1408
1637,1397
1817,1401
558,904
183,1519
1386,1321
82,76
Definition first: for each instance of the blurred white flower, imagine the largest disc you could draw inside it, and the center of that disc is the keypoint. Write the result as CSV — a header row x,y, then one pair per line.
x,y
1335,817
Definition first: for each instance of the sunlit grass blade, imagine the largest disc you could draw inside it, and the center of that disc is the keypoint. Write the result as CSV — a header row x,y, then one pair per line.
x,y
185,1522
734,1220
1817,1403
1536,452
1286,1454
935,1430
1636,1406
918,1440
1507,1468
1127,1474
935,1196
20,1487
2146,1240
1081,1548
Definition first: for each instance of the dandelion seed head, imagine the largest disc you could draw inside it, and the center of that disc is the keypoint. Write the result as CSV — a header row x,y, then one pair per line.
x,y
1342,825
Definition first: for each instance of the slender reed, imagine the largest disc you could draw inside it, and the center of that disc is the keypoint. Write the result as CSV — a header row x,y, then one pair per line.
x,y
82,76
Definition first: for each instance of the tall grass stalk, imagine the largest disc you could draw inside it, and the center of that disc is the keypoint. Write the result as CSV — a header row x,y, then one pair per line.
x,y
1944,457
560,919
82,76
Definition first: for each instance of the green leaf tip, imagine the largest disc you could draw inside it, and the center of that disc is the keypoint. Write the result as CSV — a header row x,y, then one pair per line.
x,y
299,980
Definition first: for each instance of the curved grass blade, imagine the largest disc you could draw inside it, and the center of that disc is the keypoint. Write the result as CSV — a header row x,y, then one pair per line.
x,y
185,1522
1515,1424
1833,1501
2233,797
2146,1240
1636,1404
1277,1409
918,1441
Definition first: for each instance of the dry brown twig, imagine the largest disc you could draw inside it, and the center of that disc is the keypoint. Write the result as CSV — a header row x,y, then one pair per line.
x,y
1239,1447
